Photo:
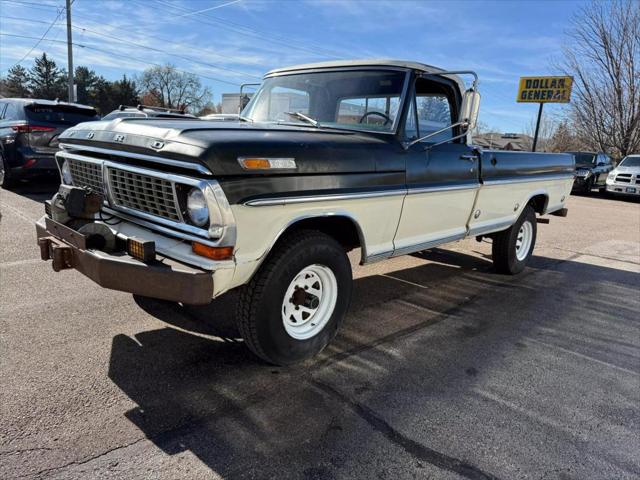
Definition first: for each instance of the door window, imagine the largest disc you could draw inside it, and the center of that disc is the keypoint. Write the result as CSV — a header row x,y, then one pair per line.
x,y
430,111
434,114
372,111
11,112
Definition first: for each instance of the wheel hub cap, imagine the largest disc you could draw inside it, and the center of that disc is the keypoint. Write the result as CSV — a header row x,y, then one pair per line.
x,y
309,301
523,240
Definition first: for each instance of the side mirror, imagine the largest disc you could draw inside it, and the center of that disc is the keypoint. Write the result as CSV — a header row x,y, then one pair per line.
x,y
470,108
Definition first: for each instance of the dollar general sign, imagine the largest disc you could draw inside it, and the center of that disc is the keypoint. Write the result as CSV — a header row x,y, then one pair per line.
x,y
545,89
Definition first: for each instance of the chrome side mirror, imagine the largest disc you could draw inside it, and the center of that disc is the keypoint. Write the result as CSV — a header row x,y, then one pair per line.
x,y
470,108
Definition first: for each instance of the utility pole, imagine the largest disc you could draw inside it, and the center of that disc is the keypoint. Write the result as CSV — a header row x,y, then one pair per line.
x,y
70,52
535,135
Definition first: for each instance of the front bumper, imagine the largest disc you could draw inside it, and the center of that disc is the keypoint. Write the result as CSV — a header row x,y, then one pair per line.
x,y
623,188
165,278
580,184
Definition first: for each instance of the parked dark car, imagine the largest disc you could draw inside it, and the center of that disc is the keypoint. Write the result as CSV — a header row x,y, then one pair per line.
x,y
591,171
29,130
144,111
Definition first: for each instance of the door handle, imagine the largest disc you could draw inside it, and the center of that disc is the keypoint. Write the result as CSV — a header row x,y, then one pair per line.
x,y
468,158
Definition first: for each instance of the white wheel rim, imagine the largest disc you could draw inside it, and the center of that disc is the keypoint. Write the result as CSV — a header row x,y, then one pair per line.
x,y
523,240
309,301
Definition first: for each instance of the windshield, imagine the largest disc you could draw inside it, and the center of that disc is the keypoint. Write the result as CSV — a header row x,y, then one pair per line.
x,y
359,100
61,114
585,159
630,161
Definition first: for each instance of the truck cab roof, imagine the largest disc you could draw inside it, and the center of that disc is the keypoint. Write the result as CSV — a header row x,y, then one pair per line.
x,y
363,63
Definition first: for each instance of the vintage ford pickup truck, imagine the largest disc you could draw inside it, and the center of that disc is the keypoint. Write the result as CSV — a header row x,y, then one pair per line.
x,y
326,158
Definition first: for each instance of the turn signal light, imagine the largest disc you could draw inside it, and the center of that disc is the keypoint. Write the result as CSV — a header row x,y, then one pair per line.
x,y
255,163
214,253
267,163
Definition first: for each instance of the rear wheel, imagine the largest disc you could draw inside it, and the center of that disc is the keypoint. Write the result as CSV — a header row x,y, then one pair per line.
x,y
292,307
513,247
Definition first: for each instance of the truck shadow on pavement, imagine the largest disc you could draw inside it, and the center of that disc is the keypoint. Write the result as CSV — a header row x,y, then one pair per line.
x,y
429,361
38,189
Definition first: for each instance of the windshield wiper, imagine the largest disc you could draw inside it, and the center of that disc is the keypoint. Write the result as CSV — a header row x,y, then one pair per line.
x,y
245,119
302,116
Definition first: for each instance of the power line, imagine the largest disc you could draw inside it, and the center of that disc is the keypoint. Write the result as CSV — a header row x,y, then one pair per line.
x,y
42,37
209,9
125,57
239,28
32,4
172,42
139,45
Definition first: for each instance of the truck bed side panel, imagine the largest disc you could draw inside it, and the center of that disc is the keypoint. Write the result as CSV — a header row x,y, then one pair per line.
x,y
511,179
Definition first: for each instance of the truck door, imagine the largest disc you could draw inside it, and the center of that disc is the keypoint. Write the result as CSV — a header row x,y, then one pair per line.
x,y
442,180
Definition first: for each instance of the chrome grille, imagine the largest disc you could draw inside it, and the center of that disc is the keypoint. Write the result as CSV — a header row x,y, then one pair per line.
x,y
86,174
144,193
623,178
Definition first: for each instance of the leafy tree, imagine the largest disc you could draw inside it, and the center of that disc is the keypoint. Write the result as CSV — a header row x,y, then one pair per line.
x,y
46,80
172,88
17,82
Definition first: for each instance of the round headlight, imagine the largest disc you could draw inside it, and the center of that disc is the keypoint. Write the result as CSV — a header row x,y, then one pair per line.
x,y
197,207
66,173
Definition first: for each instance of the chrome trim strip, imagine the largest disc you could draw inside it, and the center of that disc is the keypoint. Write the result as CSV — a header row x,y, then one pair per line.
x,y
138,156
443,188
324,198
426,245
156,227
357,195
532,178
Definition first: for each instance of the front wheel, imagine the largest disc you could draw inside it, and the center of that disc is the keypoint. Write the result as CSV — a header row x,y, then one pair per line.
x,y
513,247
292,307
6,179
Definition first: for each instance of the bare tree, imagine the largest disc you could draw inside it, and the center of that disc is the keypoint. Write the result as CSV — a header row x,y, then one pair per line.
x,y
604,58
168,87
564,139
548,125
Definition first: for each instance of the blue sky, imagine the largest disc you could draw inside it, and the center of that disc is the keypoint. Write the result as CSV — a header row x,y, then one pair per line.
x,y
229,42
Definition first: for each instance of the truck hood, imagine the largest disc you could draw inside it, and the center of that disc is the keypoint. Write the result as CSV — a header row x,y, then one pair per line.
x,y
634,170
217,145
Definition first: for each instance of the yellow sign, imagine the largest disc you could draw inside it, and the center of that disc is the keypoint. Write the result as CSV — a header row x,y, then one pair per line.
x,y
545,89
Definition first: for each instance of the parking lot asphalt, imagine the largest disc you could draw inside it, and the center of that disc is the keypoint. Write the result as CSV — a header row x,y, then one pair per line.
x,y
443,370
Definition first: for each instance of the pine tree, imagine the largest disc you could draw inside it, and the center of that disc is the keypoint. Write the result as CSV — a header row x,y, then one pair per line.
x,y
85,81
17,82
46,80
125,92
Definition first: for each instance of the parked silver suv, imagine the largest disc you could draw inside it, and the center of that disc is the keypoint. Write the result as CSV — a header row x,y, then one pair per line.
x,y
625,178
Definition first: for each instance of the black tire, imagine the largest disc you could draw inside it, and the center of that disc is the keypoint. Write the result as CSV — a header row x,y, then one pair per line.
x,y
588,186
504,254
260,306
6,180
